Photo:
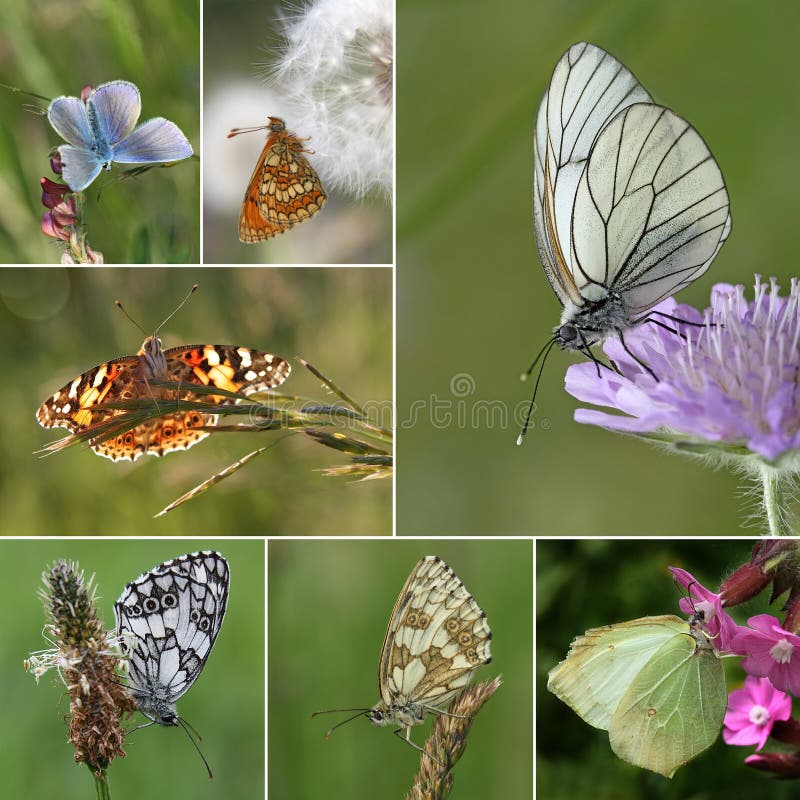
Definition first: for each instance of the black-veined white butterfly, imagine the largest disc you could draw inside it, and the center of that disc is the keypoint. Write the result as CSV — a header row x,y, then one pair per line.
x,y
168,620
629,205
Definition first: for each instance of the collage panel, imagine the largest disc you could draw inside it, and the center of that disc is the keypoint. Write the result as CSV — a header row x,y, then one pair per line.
x,y
639,647
220,693
328,606
100,108
470,276
293,458
298,113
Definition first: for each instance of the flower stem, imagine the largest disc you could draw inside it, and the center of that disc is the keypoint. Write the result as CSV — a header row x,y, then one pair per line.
x,y
774,502
100,783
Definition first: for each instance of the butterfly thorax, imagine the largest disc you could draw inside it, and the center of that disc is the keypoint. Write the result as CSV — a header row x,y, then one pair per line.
x,y
592,322
100,146
156,708
152,363
402,714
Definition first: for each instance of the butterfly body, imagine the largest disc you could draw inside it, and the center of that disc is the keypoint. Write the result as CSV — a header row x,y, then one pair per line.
x,y
169,619
103,130
79,405
629,204
284,189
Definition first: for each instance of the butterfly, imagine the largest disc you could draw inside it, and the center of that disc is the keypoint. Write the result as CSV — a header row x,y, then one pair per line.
x,y
436,638
103,130
656,684
168,620
284,188
629,204
79,406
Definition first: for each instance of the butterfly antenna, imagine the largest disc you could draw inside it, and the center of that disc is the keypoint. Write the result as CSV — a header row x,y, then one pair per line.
x,y
543,354
361,711
122,309
236,131
189,730
180,306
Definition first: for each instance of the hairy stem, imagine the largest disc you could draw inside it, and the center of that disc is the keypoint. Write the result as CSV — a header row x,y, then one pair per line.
x,y
775,502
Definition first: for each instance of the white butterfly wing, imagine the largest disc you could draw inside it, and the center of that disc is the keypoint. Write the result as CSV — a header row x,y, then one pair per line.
x,y
171,617
437,636
650,211
588,88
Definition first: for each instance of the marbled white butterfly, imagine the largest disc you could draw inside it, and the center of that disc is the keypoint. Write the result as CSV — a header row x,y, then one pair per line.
x,y
436,638
168,620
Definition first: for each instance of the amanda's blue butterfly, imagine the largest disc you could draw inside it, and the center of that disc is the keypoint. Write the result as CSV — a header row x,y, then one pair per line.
x,y
103,130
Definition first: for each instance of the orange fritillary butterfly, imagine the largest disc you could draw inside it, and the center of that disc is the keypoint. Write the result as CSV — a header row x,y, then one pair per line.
x,y
284,188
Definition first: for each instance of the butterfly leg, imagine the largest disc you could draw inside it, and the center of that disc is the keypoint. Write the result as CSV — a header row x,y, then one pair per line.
x,y
407,740
635,357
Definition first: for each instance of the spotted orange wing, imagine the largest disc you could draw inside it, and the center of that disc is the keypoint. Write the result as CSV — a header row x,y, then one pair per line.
x,y
284,189
234,369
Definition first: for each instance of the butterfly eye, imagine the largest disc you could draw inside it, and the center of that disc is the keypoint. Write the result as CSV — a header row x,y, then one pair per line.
x,y
567,333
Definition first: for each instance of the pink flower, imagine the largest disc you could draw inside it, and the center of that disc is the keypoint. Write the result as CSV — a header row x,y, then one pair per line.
x,y
707,606
770,651
753,710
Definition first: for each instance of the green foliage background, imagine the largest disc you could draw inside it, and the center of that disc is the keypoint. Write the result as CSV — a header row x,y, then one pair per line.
x,y
226,704
53,48
57,323
328,606
587,583
472,297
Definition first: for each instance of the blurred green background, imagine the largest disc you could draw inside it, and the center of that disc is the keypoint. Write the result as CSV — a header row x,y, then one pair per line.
x,y
226,704
328,604
472,297
57,323
241,44
586,583
53,48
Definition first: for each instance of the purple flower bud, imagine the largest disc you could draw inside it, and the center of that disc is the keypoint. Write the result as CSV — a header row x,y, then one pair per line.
x,y
787,765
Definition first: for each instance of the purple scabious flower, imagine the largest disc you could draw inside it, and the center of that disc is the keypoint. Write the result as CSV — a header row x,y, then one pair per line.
x,y
752,712
716,622
732,379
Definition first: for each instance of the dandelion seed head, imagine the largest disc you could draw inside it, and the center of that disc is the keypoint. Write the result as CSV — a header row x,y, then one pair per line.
x,y
334,74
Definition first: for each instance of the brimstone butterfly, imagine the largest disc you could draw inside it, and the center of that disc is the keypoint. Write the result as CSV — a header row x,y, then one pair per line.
x,y
656,685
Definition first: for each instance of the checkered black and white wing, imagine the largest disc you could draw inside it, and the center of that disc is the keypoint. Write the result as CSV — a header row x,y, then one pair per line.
x,y
168,620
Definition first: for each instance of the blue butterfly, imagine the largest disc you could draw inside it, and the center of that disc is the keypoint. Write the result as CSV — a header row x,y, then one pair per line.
x,y
103,129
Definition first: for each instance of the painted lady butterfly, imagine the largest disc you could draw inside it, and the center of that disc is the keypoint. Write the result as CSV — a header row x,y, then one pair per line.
x,y
227,367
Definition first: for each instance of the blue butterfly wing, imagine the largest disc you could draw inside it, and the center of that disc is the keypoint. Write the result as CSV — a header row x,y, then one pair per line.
x,y
152,142
80,166
114,110
68,117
